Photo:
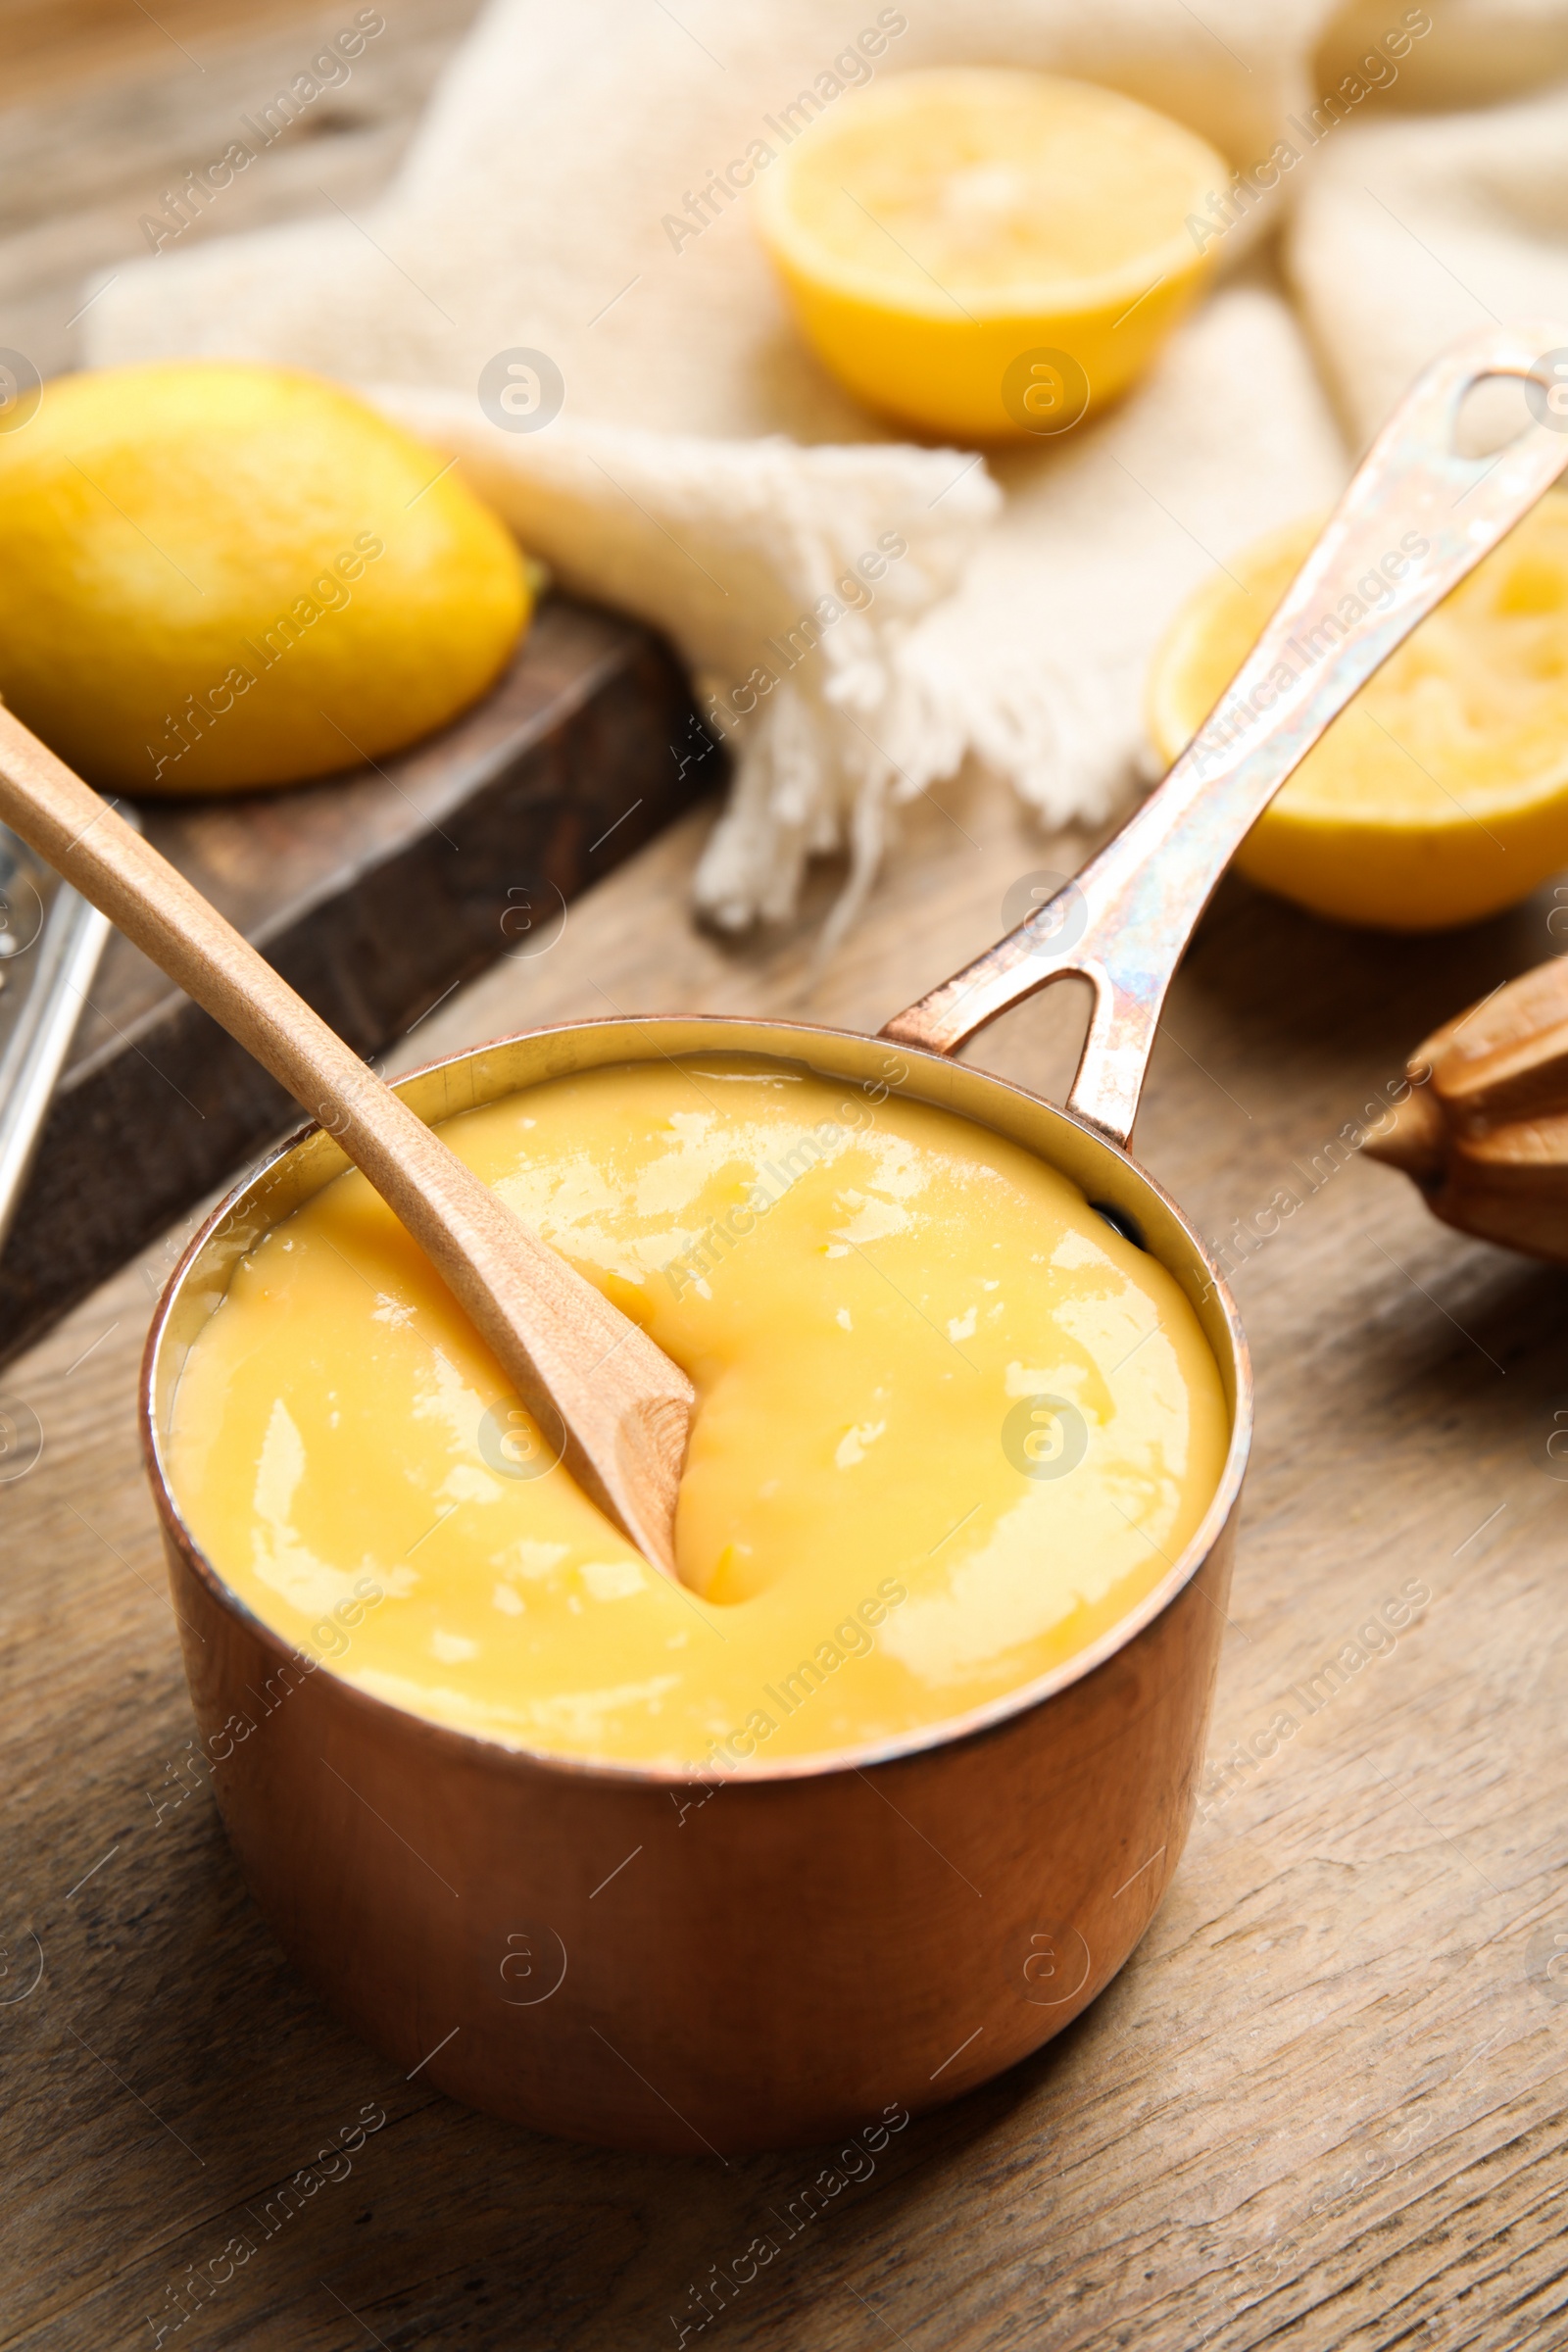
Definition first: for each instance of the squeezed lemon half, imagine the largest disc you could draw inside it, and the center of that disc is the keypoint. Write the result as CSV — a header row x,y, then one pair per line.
x,y
988,254
1441,794
219,575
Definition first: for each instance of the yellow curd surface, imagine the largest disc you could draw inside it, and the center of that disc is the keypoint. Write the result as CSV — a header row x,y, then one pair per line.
x,y
951,1427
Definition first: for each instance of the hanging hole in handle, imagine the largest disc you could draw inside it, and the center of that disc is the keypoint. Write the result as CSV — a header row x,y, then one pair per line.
x,y
1498,407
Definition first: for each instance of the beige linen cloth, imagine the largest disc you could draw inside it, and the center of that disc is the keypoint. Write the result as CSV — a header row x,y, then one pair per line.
x,y
704,473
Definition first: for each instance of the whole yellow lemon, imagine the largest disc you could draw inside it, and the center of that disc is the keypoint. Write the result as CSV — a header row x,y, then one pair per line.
x,y
217,575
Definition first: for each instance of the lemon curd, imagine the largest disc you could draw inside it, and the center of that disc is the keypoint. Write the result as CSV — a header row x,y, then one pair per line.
x,y
951,1427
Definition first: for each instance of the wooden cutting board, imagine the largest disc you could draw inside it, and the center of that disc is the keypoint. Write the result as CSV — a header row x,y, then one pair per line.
x,y
376,894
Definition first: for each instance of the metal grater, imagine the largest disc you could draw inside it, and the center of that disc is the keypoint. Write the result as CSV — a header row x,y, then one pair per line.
x,y
50,942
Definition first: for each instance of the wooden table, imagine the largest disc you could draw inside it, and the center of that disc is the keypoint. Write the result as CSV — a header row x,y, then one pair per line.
x,y
1323,2104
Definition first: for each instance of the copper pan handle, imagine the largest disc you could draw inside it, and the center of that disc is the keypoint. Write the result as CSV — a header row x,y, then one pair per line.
x,y
1123,924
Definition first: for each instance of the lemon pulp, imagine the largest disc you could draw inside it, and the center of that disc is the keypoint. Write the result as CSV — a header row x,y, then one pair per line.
x,y
1441,795
945,228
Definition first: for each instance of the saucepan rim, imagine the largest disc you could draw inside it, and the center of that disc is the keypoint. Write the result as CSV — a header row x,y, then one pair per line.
x,y
485,1750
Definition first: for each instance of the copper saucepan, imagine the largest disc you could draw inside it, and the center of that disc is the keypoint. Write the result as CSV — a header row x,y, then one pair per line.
x,y
808,1944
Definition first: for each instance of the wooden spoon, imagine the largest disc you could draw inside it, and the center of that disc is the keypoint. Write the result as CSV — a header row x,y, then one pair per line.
x,y
1483,1132
597,1384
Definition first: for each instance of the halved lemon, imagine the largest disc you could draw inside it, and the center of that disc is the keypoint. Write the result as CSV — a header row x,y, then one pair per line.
x,y
1441,794
988,254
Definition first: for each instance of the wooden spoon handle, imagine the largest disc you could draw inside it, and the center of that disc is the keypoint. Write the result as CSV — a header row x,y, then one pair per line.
x,y
575,1357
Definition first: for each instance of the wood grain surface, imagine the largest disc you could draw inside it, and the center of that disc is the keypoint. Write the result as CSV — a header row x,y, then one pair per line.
x,y
107,104
1324,2104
